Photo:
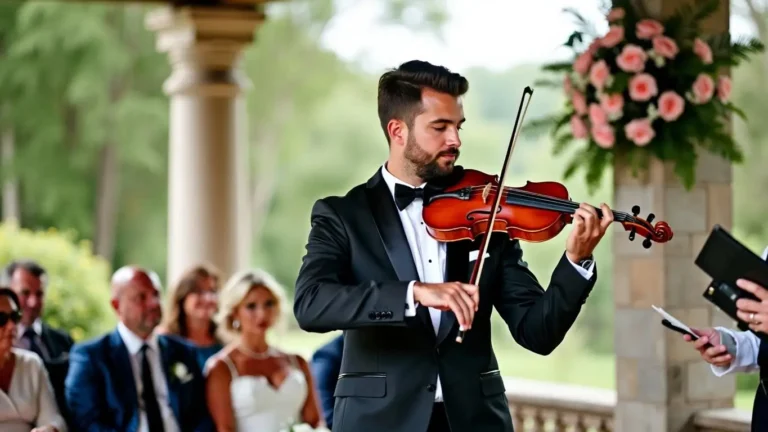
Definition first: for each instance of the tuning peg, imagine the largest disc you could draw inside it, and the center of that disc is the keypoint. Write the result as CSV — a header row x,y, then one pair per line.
x,y
647,242
651,217
635,210
632,234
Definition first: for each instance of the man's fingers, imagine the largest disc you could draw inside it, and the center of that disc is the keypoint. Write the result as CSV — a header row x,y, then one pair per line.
x,y
458,310
607,219
754,288
722,360
701,342
473,292
715,351
747,305
587,217
469,308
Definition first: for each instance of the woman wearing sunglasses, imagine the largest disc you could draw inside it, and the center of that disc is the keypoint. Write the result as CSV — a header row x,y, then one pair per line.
x,y
27,403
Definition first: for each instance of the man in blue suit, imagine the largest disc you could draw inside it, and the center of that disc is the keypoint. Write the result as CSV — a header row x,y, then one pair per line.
x,y
131,379
326,364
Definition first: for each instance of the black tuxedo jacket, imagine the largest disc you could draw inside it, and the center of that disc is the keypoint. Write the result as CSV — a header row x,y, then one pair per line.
x,y
354,277
57,343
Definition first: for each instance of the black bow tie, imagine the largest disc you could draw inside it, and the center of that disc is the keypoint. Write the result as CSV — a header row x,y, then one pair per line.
x,y
404,195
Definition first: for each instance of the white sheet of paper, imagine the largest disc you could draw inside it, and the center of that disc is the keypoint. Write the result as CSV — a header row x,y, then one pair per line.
x,y
672,320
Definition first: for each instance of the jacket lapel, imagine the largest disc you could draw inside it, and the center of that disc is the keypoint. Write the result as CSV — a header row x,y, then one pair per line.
x,y
166,356
390,229
125,382
456,270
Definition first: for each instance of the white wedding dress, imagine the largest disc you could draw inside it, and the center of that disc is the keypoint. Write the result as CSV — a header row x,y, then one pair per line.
x,y
260,407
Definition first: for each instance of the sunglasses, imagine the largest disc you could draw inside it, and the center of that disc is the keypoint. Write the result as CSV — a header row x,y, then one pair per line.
x,y
14,316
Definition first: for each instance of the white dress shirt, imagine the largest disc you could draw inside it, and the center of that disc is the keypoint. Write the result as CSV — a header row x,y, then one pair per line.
x,y
747,348
133,343
429,256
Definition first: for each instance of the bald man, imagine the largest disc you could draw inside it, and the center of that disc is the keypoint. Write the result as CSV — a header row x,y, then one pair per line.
x,y
132,379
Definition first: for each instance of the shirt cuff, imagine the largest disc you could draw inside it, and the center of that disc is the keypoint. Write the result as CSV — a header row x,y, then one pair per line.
x,y
745,357
586,273
410,306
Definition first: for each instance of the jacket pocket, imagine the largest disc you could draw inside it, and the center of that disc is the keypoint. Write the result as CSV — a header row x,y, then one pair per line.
x,y
491,383
359,384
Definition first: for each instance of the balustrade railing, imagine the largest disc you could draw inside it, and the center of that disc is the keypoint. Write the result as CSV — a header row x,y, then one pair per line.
x,y
538,406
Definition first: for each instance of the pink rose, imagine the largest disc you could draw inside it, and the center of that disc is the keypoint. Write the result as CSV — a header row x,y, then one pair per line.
x,y
665,47
702,49
724,88
578,128
579,103
598,74
642,87
615,14
582,63
703,88
639,131
671,105
632,58
593,47
648,29
597,115
612,105
613,37
603,135
567,85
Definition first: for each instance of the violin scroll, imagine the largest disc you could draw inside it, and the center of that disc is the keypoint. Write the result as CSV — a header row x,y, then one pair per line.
x,y
659,233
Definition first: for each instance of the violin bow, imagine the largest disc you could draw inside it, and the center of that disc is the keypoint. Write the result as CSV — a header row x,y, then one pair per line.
x,y
476,272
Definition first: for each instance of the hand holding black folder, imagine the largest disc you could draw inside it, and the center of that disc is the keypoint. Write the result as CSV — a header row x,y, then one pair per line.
x,y
726,261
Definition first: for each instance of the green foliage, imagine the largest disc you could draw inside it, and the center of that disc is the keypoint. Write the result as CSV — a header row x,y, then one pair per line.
x,y
77,296
631,124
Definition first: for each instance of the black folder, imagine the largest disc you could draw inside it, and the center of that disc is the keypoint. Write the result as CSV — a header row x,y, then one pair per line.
x,y
726,260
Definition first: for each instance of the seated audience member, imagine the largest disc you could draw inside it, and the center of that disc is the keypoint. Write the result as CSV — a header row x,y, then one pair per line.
x,y
133,379
28,403
252,386
326,365
29,281
193,303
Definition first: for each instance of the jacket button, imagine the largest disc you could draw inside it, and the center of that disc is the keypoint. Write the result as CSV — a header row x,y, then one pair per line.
x,y
431,388
388,314
372,315
378,315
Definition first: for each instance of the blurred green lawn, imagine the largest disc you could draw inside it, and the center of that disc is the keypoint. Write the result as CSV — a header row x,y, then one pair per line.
x,y
568,364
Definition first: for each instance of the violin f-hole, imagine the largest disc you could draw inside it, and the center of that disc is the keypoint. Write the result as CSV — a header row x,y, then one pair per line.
x,y
482,212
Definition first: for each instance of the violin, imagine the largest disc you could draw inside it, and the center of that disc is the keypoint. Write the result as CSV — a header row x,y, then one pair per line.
x,y
535,212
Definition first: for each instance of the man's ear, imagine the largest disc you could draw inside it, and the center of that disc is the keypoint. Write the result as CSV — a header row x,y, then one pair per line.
x,y
115,304
398,132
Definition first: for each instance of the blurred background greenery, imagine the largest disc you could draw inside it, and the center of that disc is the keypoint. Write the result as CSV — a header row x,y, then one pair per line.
x,y
84,126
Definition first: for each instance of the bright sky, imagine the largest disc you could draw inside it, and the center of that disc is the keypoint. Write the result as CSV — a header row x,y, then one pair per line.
x,y
495,34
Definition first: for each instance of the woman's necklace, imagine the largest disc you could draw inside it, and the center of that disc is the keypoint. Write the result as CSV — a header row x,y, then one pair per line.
x,y
256,355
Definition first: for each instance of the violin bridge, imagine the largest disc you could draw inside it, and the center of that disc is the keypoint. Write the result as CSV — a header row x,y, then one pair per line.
x,y
486,192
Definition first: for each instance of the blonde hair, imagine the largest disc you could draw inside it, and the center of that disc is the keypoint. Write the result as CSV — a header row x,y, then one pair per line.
x,y
236,289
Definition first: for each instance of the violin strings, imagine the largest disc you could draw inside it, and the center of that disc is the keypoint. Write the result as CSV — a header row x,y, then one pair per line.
x,y
544,199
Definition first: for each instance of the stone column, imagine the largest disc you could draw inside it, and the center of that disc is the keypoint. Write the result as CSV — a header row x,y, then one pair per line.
x,y
208,203
660,379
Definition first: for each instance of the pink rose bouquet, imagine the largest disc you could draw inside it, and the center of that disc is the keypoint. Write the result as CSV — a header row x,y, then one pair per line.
x,y
648,87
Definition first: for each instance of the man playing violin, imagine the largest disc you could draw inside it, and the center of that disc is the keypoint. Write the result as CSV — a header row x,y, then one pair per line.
x,y
401,297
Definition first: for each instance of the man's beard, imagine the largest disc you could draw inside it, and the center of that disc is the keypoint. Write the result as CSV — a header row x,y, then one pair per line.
x,y
426,166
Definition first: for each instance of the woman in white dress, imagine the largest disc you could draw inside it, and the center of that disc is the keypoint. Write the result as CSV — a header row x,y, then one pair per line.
x,y
27,403
251,386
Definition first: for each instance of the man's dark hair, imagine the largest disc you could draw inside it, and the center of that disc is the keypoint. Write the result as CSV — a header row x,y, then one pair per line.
x,y
400,90
27,265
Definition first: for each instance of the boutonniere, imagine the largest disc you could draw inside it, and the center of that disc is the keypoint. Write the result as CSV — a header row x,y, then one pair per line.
x,y
181,372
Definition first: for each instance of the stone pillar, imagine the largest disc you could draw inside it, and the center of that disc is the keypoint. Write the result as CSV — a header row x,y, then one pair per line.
x,y
208,203
660,379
